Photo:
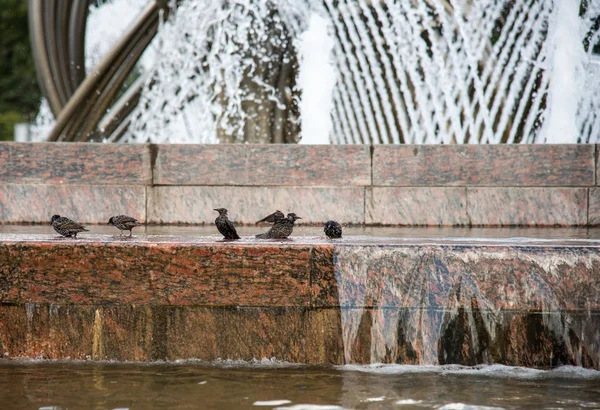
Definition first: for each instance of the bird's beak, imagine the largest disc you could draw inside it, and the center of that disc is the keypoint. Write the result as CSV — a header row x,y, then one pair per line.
x,y
298,217
215,209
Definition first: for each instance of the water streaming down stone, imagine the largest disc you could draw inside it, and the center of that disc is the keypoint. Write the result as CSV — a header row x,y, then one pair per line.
x,y
431,305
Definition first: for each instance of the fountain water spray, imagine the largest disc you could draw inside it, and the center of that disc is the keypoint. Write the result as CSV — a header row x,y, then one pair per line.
x,y
316,79
429,71
567,58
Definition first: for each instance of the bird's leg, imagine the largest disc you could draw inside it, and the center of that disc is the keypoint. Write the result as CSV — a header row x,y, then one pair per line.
x,y
130,232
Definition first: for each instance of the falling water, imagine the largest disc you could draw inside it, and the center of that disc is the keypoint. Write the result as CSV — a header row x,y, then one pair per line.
x,y
567,58
316,80
432,305
427,71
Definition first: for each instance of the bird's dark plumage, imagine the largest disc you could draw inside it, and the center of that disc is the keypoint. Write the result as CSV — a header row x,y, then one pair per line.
x,y
124,223
282,228
273,217
333,229
66,227
224,225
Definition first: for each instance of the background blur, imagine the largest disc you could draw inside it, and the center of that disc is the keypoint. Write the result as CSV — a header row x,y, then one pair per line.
x,y
19,92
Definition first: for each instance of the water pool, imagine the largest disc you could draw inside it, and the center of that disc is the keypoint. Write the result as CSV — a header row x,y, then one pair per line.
x,y
269,385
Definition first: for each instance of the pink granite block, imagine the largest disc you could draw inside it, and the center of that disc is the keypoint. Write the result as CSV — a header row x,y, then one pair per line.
x,y
75,163
73,272
547,278
527,206
263,165
124,332
597,167
483,165
594,208
83,203
519,278
46,331
9,285
416,206
246,205
562,278
385,276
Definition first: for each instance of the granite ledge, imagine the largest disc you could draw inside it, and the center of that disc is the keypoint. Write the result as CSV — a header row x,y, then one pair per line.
x,y
302,272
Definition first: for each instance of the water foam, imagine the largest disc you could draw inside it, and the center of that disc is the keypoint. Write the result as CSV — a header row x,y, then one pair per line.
x,y
462,406
407,402
493,370
271,403
311,407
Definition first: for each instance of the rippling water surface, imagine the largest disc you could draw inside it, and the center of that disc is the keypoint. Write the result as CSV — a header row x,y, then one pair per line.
x,y
270,385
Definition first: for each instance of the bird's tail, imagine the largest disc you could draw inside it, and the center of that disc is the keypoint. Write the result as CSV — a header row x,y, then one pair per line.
x,y
262,236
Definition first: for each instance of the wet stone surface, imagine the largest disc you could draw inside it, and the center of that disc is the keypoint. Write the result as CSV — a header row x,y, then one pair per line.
x,y
525,302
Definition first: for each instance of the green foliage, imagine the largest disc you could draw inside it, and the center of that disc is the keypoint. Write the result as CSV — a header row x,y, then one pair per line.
x,y
7,124
19,90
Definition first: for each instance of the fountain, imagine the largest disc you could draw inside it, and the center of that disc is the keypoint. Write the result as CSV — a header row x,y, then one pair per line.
x,y
399,71
489,270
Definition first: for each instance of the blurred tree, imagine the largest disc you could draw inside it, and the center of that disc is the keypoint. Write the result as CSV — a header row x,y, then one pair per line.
x,y
19,90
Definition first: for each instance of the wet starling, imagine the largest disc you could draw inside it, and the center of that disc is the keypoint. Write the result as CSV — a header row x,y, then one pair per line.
x,y
66,227
224,225
282,228
333,229
273,217
124,223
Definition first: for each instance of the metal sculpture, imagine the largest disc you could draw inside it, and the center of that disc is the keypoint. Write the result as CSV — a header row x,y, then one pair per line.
x,y
77,101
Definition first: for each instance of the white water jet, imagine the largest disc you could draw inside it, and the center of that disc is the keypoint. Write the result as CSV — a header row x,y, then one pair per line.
x,y
105,26
316,79
567,61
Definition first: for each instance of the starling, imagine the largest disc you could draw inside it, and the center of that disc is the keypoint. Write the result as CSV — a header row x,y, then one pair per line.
x,y
224,225
124,223
273,217
282,228
333,229
66,227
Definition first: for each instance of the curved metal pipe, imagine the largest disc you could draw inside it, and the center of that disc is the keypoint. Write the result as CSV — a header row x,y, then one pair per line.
x,y
120,110
76,41
40,51
89,84
84,123
61,35
114,80
51,36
